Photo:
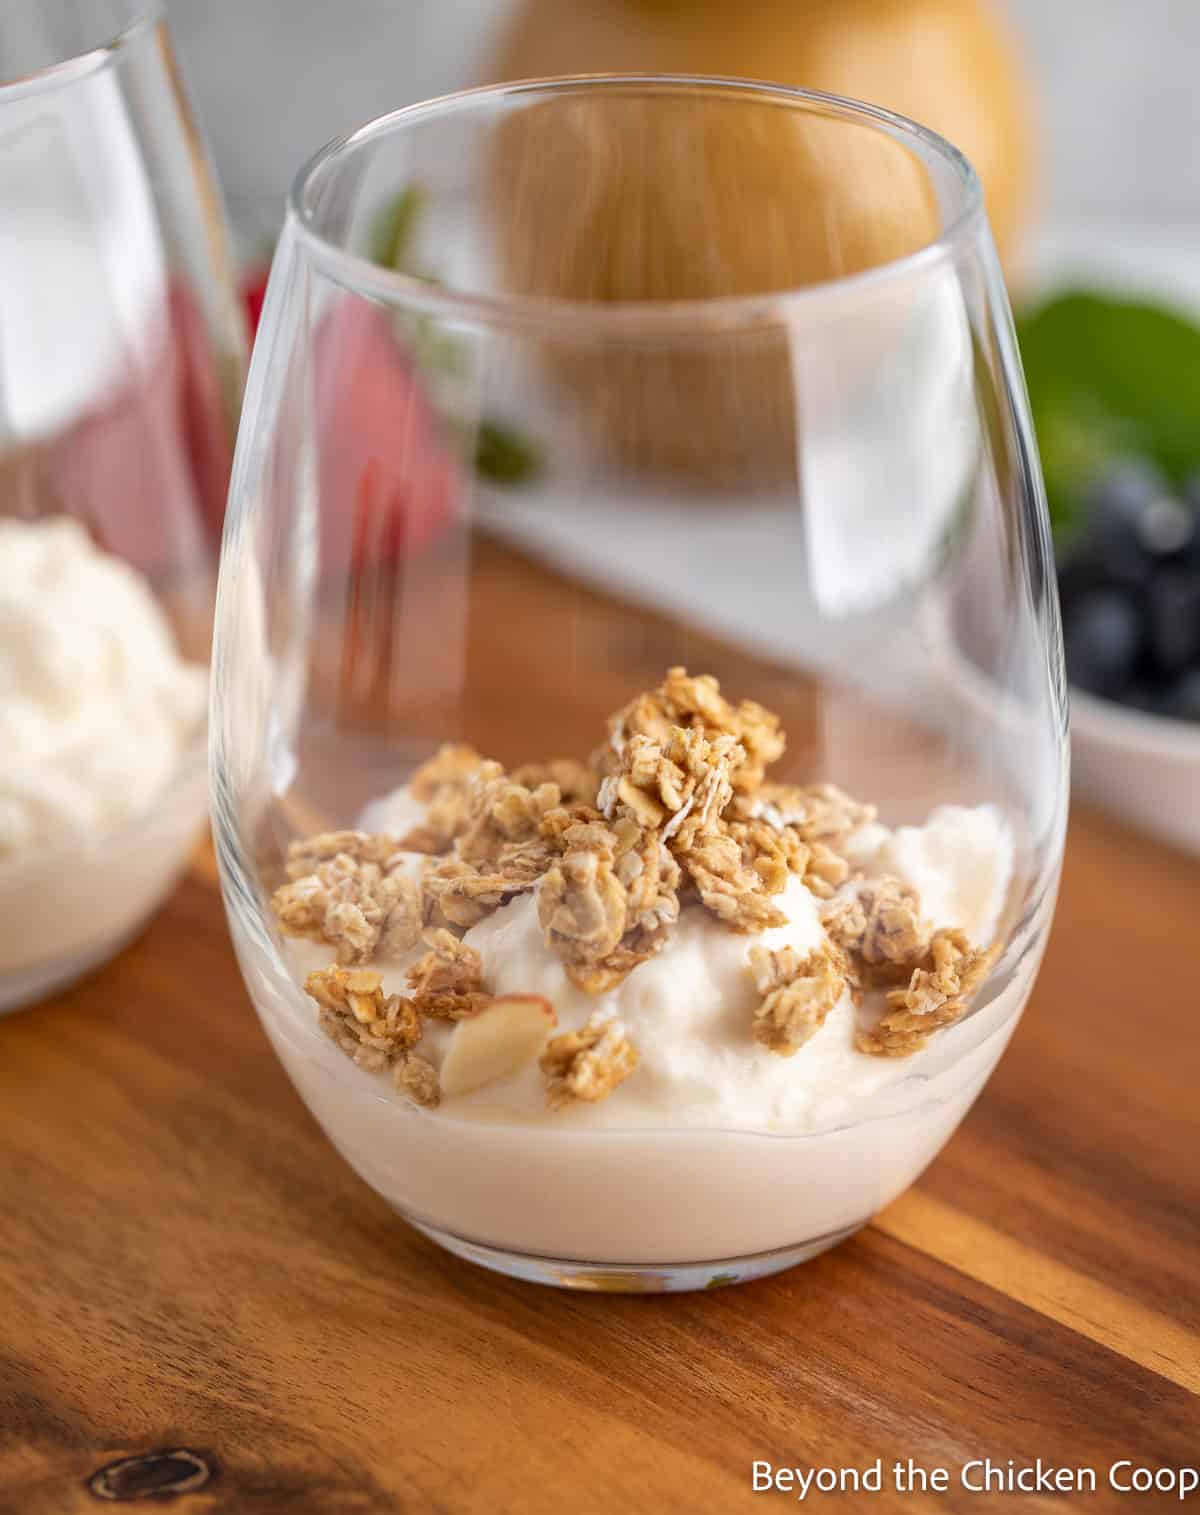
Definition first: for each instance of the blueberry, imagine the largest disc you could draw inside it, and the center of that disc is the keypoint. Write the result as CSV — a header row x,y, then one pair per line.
x,y
1184,699
1079,573
1174,620
1111,546
1102,631
1166,527
1151,698
1116,498
1191,497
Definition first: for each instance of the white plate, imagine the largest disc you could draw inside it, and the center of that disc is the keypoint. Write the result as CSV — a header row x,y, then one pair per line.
x,y
1143,768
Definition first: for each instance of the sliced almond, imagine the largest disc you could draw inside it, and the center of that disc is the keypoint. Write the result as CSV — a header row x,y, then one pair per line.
x,y
504,1036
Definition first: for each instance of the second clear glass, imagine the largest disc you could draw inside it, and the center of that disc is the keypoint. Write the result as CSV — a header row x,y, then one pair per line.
x,y
122,355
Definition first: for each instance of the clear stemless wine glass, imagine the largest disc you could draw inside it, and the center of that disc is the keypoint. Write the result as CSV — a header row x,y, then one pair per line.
x,y
561,388
122,353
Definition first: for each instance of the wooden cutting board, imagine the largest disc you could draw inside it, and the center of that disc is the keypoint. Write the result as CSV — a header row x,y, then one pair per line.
x,y
187,1267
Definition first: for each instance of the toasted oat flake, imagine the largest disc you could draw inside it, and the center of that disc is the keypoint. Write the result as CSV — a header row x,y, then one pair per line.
x,y
355,905
697,703
938,994
575,781
581,903
588,1064
819,812
773,852
894,935
443,785
798,995
734,893
502,813
447,981
305,855
462,894
372,1028
825,870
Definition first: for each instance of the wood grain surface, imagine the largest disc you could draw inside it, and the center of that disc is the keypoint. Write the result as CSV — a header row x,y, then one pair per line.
x,y
187,1267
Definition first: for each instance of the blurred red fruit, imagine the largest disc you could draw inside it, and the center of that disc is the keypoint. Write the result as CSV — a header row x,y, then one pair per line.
x,y
254,292
390,483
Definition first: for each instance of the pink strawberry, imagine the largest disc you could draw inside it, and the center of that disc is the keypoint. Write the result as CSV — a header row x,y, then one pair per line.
x,y
254,292
390,483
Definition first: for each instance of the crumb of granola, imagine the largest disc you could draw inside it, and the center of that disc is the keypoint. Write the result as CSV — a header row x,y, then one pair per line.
x,y
501,848
419,1080
557,822
462,894
446,982
502,813
306,854
581,902
587,1064
576,782
372,1028
755,728
649,875
825,870
937,995
733,892
845,921
773,852
877,924
454,763
696,703
611,971
443,785
896,935
819,812
681,784
798,994
352,903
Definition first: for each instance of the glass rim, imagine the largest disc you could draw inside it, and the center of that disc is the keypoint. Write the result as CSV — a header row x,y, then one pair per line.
x,y
144,16
357,273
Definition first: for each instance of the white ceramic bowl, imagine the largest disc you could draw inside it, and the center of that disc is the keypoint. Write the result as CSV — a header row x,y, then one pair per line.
x,y
1143,768
74,906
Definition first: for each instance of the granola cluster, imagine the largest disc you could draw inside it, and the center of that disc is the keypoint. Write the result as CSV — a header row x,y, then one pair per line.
x,y
674,810
587,1064
937,995
798,993
346,890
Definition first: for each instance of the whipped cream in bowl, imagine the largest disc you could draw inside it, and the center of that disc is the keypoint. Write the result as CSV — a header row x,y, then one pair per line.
x,y
102,762
654,1023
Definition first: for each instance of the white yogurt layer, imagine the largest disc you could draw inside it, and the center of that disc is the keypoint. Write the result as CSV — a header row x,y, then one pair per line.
x,y
689,1009
714,1149
101,780
96,704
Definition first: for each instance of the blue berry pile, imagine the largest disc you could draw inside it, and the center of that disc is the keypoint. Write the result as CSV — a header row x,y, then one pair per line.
x,y
1129,581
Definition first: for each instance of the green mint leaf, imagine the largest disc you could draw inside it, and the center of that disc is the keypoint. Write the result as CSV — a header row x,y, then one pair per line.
x,y
504,456
1109,377
394,227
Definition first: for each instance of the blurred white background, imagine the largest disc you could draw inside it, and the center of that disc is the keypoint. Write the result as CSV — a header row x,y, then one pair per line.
x,y
1116,81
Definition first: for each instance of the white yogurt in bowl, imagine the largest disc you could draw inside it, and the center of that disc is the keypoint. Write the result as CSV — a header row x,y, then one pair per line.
x,y
101,754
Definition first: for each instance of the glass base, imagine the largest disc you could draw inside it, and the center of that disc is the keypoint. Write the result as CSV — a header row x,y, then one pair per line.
x,y
632,1278
26,986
